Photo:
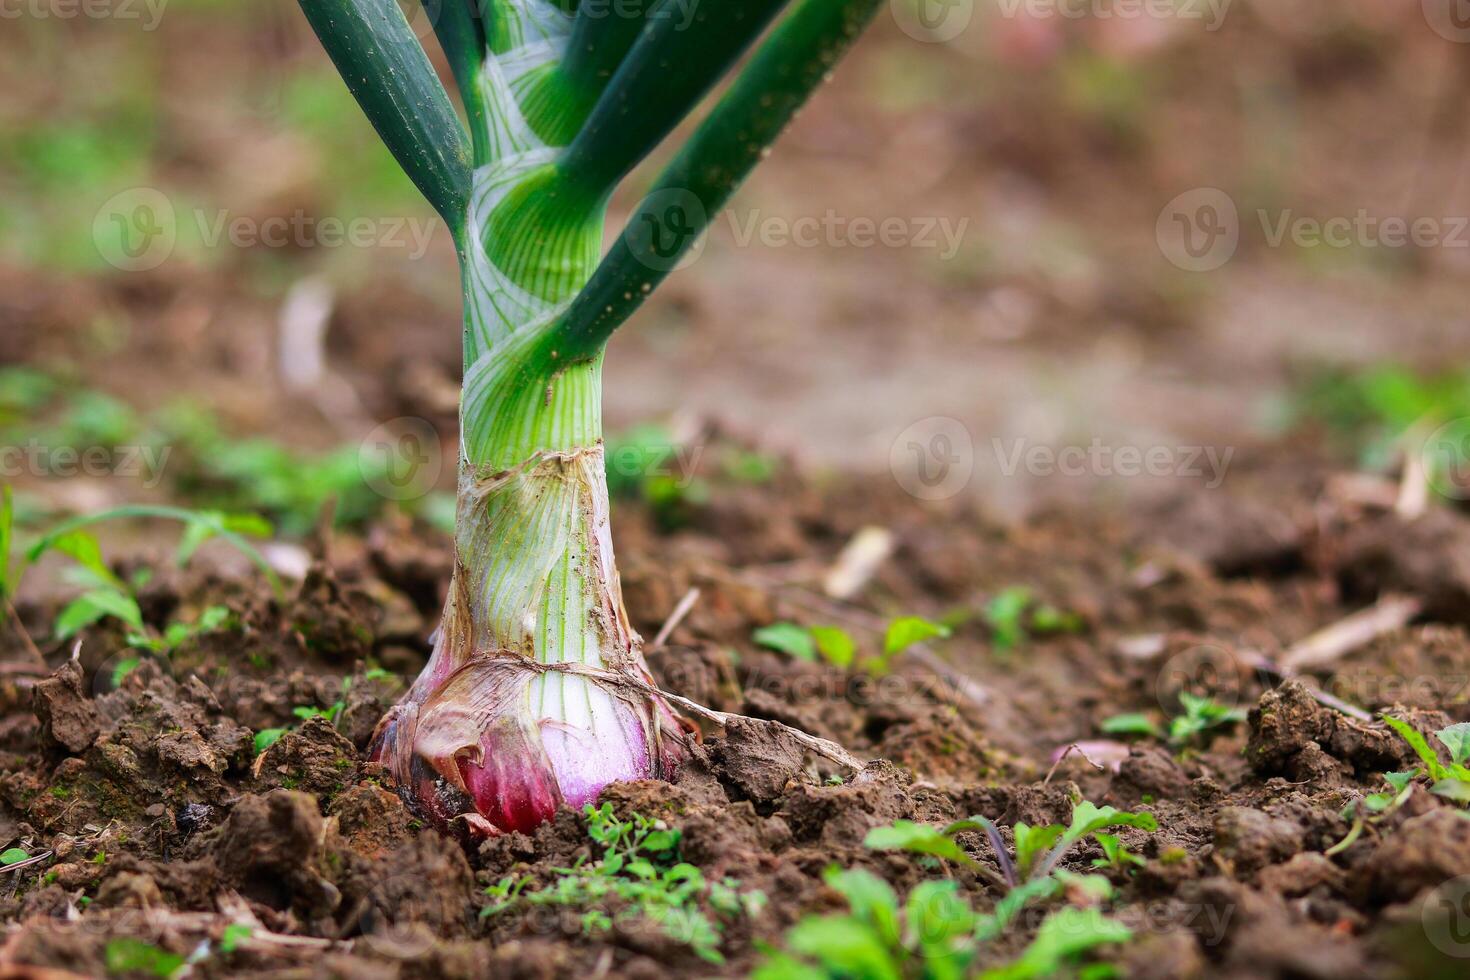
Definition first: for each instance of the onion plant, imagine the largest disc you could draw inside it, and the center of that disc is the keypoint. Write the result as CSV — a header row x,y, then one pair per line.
x,y
537,693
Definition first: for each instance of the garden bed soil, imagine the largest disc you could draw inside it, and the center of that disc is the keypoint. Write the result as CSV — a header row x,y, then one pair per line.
x,y
157,821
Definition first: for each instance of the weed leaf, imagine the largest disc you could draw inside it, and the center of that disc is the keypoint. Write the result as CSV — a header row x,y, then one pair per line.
x,y
905,631
787,638
1419,744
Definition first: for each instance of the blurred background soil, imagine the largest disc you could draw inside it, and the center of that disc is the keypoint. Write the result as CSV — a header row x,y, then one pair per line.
x,y
1026,166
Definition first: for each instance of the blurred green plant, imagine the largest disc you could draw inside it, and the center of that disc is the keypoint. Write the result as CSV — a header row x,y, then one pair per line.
x,y
1366,412
1450,781
1038,850
1013,615
935,934
1199,715
836,646
207,467
645,463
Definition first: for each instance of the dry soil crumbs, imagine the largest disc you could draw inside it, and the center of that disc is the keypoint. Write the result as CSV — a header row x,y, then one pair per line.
x,y
148,813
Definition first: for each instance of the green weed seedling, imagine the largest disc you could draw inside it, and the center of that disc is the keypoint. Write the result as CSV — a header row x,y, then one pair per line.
x,y
1200,715
128,955
105,594
934,934
1116,857
1450,781
1038,850
647,463
177,633
906,632
199,526
1013,616
836,646
639,869
267,737
1367,412
1375,807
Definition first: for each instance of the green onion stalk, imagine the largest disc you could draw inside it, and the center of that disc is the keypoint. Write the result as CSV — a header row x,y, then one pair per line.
x,y
537,693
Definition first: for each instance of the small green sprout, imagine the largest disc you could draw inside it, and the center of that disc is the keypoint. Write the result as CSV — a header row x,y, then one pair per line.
x,y
1064,937
837,647
907,631
1115,856
832,644
1200,715
788,638
749,466
1004,613
640,867
1375,808
105,594
14,855
267,737
199,526
933,933
127,955
7,535
331,713
234,935
648,463
1038,850
1366,412
178,632
1450,781
1012,616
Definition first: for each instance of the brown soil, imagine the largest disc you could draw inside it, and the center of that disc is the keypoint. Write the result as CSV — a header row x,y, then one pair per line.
x,y
157,821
